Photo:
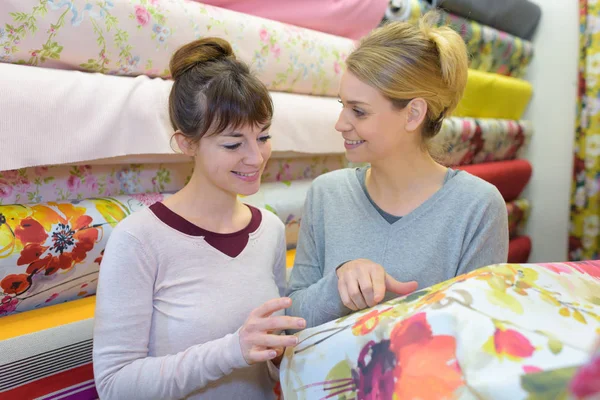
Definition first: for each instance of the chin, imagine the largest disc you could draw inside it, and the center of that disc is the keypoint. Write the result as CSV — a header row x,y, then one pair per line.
x,y
247,189
354,157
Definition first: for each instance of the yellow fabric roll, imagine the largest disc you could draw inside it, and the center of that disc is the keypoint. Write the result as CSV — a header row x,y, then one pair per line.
x,y
490,95
289,259
45,318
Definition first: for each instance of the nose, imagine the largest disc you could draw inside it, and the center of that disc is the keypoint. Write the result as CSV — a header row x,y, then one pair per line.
x,y
342,125
253,156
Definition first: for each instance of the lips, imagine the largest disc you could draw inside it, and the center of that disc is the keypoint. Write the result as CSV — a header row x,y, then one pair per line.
x,y
247,176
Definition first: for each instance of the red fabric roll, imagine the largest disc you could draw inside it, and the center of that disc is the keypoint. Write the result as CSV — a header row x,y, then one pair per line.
x,y
510,177
519,249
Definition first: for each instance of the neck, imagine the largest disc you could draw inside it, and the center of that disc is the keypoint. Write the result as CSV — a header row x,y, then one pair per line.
x,y
208,206
412,173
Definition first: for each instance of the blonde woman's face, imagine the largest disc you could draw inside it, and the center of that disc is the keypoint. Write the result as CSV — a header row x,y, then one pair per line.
x,y
371,127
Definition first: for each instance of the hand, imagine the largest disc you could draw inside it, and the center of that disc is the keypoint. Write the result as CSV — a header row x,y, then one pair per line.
x,y
259,338
363,283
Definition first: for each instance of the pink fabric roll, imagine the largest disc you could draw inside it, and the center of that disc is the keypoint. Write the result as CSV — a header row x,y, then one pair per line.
x,y
348,18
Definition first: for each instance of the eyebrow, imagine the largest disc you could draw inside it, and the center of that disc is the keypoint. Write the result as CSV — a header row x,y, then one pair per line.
x,y
354,102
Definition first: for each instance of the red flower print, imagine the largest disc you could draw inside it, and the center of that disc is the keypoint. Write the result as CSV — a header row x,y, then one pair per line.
x,y
8,304
427,367
142,15
55,240
510,344
15,283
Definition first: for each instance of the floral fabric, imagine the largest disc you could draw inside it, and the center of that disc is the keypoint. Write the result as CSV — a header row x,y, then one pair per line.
x,y
474,141
584,240
510,331
491,50
137,37
518,213
51,252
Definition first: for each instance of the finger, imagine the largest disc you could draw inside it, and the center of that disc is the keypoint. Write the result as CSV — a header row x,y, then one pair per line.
x,y
258,356
378,278
277,323
400,288
271,306
344,295
365,284
273,341
355,294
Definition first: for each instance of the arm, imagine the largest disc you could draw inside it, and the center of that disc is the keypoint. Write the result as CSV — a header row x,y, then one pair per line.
x,y
489,243
315,296
124,307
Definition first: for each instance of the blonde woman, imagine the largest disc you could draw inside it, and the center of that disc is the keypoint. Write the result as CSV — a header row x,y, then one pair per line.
x,y
372,233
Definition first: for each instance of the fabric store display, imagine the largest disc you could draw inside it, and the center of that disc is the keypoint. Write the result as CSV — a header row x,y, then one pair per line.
x,y
494,96
47,354
510,177
130,118
471,141
67,182
138,37
584,228
349,18
51,252
519,249
491,50
518,213
517,17
499,332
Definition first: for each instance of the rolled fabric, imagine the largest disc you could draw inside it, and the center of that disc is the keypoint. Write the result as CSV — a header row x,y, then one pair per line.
x,y
518,213
64,182
83,117
491,50
48,352
457,336
34,274
349,18
519,249
517,17
510,177
494,96
466,141
137,37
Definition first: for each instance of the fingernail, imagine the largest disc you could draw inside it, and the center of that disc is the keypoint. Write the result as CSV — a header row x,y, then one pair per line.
x,y
272,354
295,341
301,323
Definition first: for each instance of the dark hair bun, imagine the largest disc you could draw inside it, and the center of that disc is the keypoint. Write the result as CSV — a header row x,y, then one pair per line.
x,y
199,52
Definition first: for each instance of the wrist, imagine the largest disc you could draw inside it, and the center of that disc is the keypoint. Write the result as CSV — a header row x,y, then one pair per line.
x,y
340,266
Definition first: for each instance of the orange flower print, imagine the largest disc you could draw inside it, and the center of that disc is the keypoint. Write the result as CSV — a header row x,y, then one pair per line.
x,y
510,344
368,322
55,240
427,367
15,283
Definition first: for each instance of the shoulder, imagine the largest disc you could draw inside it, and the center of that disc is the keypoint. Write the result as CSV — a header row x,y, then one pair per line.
x,y
136,226
270,220
469,186
477,195
332,184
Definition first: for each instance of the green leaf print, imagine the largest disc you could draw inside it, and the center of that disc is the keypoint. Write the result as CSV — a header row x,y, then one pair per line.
x,y
548,384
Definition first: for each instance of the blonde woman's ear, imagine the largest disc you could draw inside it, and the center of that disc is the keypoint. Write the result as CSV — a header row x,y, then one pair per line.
x,y
416,114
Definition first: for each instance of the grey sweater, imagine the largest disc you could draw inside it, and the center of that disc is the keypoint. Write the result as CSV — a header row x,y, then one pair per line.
x,y
462,227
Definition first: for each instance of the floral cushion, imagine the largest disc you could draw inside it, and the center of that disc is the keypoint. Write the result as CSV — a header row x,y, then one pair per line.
x,y
51,252
510,331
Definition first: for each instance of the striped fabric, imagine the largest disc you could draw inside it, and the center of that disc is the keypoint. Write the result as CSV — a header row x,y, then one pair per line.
x,y
47,353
